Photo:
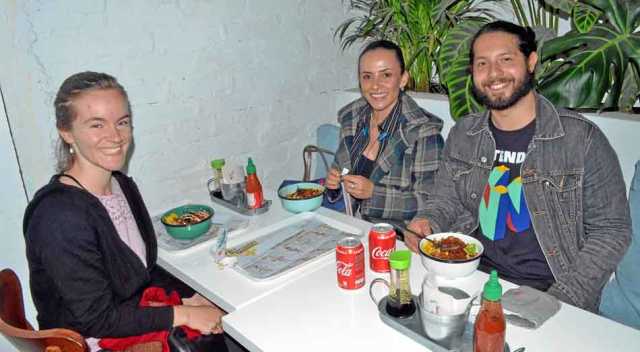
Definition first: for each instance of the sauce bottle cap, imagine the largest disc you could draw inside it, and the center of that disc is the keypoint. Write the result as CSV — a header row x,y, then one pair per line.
x,y
400,260
251,168
217,164
492,288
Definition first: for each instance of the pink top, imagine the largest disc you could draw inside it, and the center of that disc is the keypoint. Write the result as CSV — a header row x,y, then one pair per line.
x,y
124,222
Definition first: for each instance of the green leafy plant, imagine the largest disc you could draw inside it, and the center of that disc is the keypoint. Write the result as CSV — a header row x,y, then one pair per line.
x,y
596,65
543,18
417,26
536,15
454,69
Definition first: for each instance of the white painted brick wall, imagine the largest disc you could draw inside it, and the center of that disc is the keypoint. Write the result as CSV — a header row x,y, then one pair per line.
x,y
206,79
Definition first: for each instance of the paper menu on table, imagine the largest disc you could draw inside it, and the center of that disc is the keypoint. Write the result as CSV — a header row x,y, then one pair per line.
x,y
288,247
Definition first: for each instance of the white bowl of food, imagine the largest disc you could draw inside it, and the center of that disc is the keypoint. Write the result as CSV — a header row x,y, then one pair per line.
x,y
450,255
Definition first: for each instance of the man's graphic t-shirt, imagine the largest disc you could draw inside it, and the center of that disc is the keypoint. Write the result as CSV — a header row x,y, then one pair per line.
x,y
505,229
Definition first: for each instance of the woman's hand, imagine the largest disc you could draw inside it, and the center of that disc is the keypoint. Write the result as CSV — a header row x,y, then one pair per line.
x,y
358,186
333,179
206,319
420,226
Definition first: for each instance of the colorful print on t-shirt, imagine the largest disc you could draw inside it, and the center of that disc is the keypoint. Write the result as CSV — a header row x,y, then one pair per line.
x,y
503,204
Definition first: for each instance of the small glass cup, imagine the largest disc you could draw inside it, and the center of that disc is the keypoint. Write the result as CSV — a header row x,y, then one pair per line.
x,y
234,193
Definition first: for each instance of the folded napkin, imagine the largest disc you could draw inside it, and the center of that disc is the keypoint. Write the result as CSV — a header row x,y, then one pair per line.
x,y
152,296
531,307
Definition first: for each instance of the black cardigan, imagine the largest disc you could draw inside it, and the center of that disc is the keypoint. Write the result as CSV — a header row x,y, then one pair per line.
x,y
82,275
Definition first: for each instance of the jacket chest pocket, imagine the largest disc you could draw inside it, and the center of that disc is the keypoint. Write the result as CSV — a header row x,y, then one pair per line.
x,y
562,194
561,197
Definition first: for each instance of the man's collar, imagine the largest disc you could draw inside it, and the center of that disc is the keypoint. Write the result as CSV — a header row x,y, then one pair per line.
x,y
548,124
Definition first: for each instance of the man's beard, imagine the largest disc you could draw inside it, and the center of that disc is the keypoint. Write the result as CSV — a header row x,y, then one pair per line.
x,y
504,103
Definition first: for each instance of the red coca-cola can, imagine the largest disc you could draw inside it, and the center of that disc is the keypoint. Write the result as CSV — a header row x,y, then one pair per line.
x,y
382,241
350,263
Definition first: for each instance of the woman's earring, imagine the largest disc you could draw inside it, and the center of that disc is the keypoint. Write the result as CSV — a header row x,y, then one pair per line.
x,y
71,151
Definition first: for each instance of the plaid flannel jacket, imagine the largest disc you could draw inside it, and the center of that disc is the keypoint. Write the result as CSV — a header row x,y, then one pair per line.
x,y
404,172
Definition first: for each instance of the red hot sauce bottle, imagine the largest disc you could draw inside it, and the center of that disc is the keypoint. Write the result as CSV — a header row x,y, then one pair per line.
x,y
490,326
254,188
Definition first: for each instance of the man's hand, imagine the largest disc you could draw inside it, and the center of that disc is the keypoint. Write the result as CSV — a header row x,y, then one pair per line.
x,y
333,179
419,226
358,186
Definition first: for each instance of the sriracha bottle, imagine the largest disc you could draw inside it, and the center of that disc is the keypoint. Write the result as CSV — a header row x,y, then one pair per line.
x,y
254,188
490,326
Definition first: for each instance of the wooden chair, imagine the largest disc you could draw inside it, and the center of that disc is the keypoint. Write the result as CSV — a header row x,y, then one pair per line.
x,y
15,327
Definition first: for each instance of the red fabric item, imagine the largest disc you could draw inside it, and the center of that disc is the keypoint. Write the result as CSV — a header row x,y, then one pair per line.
x,y
151,297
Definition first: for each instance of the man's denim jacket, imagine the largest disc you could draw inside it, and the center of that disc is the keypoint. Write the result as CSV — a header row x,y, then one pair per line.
x,y
573,186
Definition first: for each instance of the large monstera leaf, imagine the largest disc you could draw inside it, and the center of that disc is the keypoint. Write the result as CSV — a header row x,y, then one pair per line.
x,y
454,67
590,69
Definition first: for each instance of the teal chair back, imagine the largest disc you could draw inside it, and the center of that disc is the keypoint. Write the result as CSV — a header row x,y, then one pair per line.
x,y
621,296
328,137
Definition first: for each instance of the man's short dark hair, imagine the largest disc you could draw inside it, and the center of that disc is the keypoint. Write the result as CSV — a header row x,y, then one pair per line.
x,y
526,36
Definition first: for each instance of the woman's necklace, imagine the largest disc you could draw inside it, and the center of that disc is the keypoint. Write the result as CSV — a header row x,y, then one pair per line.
x,y
81,186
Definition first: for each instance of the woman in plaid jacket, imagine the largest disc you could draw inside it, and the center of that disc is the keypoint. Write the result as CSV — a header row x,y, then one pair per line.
x,y
389,144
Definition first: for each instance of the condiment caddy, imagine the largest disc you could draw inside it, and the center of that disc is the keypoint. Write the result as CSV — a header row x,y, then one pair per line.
x,y
413,328
231,189
441,321
242,210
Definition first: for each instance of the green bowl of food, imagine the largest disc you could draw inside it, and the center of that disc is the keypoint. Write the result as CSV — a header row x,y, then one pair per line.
x,y
301,196
187,222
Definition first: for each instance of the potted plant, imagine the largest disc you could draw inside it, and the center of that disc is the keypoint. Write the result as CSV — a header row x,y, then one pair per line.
x,y
417,26
597,64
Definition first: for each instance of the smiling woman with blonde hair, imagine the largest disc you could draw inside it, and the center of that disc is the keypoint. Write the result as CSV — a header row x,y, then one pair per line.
x,y
90,243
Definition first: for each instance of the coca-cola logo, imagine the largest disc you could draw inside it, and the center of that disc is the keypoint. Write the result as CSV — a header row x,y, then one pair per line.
x,y
379,253
344,269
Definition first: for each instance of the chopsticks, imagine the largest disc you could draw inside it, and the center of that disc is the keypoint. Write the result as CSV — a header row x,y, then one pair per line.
x,y
346,196
401,229
242,249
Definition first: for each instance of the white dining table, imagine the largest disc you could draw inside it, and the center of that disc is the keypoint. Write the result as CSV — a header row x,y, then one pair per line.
x,y
305,310
224,286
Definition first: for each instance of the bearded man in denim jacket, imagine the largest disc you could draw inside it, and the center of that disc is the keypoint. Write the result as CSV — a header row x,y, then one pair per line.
x,y
539,186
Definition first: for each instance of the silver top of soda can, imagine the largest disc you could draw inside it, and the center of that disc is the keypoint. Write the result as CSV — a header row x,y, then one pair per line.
x,y
349,242
382,227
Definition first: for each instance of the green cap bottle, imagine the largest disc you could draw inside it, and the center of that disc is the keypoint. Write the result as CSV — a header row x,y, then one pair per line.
x,y
251,168
400,260
217,164
492,288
